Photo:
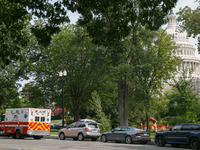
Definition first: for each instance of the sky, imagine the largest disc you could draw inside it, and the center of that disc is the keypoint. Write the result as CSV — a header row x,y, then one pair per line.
x,y
180,4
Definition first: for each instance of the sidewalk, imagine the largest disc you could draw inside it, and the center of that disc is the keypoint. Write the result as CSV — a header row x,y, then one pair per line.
x,y
152,142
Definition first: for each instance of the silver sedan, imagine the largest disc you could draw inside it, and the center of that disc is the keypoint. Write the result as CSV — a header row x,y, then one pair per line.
x,y
128,134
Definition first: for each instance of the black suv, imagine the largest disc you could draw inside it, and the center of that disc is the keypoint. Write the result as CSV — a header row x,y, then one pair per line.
x,y
180,134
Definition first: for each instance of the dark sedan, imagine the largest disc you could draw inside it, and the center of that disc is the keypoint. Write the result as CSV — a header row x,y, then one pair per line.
x,y
59,125
128,134
180,134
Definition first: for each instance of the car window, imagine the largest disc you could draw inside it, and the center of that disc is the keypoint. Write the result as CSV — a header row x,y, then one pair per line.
x,y
78,124
176,127
137,129
186,127
195,127
125,129
117,129
92,126
71,125
82,125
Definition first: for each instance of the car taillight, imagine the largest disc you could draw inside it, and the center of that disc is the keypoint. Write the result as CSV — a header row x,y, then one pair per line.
x,y
138,134
86,129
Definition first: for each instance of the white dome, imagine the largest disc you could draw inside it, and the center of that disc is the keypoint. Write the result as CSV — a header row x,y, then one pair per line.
x,y
179,36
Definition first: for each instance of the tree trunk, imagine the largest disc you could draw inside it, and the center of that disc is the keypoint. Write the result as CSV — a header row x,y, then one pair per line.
x,y
148,129
123,103
76,110
76,114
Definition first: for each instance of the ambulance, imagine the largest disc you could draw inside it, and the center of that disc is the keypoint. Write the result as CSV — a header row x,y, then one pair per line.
x,y
26,122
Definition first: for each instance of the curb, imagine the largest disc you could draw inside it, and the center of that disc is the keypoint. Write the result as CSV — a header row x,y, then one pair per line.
x,y
51,137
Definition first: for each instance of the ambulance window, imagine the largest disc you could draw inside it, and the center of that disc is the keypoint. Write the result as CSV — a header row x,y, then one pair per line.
x,y
2,118
37,118
42,119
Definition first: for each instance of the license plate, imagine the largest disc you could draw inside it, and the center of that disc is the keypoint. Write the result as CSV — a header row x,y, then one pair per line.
x,y
94,130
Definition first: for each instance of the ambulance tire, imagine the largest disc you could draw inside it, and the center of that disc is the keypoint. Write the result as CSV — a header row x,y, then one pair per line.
x,y
18,134
14,137
37,137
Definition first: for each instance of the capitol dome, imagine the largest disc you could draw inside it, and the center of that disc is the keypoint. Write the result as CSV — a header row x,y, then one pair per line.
x,y
186,50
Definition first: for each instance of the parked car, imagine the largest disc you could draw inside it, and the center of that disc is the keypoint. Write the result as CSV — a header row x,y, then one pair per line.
x,y
80,131
51,126
128,134
88,120
180,134
59,125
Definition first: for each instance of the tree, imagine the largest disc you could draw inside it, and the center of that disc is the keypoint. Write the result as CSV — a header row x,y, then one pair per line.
x,y
73,51
184,101
95,105
33,96
9,89
158,67
14,18
110,22
190,21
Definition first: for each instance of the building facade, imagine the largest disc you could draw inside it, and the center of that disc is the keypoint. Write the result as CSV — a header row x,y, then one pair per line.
x,y
186,52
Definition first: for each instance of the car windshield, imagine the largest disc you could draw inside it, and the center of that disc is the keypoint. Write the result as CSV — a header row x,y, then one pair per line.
x,y
92,126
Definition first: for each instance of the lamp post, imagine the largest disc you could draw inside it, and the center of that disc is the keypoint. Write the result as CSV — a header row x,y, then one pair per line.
x,y
62,81
68,116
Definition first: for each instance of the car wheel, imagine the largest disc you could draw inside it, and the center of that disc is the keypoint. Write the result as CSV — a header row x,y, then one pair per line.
x,y
62,136
175,145
194,143
160,141
74,139
128,140
94,139
80,137
143,142
103,138
17,134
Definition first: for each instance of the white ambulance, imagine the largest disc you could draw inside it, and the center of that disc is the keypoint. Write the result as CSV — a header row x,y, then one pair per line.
x,y
26,122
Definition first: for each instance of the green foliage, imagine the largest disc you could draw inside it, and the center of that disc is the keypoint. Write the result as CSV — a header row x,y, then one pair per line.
x,y
190,21
33,96
184,101
153,65
95,105
73,51
14,18
171,120
110,21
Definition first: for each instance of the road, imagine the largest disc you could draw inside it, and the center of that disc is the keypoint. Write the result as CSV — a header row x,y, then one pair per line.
x,y
55,144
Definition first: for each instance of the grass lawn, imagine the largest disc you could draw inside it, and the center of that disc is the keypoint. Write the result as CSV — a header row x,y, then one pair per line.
x,y
56,121
54,132
153,135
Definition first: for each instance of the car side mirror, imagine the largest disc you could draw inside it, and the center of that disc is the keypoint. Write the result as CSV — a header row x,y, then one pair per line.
x,y
112,130
170,129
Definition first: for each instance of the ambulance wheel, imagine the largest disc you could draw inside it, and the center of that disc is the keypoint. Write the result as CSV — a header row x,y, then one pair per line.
x,y
14,137
37,137
18,134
